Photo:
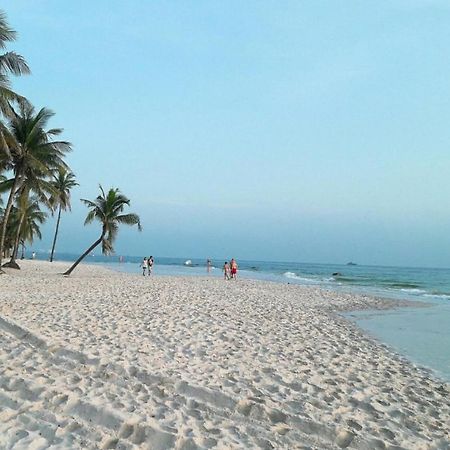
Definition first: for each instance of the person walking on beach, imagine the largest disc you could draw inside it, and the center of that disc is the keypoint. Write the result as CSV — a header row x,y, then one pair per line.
x,y
144,265
226,271
234,269
150,263
208,265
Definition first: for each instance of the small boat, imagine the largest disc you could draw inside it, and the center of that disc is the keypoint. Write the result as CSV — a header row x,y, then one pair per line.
x,y
188,262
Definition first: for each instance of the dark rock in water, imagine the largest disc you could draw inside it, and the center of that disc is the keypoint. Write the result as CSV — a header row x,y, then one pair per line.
x,y
337,274
351,264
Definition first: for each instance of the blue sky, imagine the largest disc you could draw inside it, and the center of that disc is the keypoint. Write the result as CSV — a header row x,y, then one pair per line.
x,y
313,131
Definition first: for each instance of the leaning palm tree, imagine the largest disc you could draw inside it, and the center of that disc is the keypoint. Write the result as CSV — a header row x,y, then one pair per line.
x,y
107,209
32,152
63,182
10,63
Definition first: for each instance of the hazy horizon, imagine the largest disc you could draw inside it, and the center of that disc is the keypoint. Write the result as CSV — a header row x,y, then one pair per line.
x,y
199,260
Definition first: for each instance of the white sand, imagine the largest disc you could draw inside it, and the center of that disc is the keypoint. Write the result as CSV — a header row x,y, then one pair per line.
x,y
104,360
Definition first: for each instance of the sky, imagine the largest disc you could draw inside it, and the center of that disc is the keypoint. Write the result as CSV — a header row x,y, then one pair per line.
x,y
310,131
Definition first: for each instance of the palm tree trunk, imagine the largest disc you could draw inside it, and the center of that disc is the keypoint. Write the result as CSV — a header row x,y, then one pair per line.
x,y
75,264
6,218
56,234
12,262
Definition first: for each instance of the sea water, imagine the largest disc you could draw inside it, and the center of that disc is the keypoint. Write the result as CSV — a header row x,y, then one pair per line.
x,y
420,334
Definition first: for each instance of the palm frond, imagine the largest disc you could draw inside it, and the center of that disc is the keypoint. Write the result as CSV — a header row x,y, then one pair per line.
x,y
7,34
14,63
90,217
130,219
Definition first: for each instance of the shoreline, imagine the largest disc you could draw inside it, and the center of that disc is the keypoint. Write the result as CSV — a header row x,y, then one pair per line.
x,y
416,284
246,364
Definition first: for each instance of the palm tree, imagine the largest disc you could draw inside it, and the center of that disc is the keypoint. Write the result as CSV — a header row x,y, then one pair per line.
x,y
2,179
17,220
107,209
34,181
33,155
10,231
63,182
10,63
25,222
42,189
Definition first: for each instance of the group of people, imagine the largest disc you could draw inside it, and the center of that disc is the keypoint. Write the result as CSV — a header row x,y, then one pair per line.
x,y
230,270
147,265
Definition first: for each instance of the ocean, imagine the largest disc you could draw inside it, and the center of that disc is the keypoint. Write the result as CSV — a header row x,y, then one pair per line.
x,y
420,334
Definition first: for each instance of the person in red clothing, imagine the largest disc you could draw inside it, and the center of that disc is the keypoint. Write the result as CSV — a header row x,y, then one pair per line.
x,y
234,269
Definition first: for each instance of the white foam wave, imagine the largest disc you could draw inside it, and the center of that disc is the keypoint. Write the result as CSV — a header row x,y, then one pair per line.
x,y
444,296
413,291
294,276
290,275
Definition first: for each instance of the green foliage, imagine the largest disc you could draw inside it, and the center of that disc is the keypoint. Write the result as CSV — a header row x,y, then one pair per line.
x,y
33,217
107,209
10,64
63,182
31,155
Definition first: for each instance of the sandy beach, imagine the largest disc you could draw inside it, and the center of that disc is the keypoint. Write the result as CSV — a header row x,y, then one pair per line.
x,y
108,360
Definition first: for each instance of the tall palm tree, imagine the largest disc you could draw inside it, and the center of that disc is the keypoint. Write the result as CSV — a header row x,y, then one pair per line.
x,y
34,181
33,152
17,220
107,209
42,190
25,221
10,63
63,182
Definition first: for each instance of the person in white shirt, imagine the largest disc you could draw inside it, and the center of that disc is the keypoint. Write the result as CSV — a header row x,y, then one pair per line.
x,y
144,265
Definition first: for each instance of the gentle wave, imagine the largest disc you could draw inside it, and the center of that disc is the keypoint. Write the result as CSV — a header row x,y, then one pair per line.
x,y
442,296
414,291
294,276
404,285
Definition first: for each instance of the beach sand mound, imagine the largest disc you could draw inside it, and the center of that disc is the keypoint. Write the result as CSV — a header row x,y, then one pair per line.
x,y
103,360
